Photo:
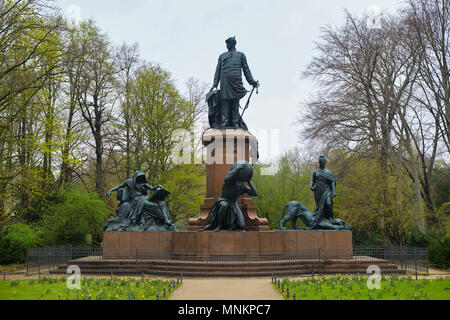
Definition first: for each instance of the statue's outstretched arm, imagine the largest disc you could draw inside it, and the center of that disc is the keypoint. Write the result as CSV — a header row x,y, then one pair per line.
x,y
149,187
123,185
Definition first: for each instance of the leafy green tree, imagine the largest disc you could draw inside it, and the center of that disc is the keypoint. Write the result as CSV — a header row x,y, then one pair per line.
x,y
187,186
158,111
29,64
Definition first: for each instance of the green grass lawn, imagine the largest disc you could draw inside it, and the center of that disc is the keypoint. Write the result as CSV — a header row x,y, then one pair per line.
x,y
91,289
355,288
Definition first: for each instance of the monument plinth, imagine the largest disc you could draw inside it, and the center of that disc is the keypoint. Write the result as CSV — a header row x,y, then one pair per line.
x,y
223,149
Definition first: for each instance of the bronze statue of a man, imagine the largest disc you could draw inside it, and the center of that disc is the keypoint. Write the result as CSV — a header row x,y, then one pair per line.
x,y
224,105
324,187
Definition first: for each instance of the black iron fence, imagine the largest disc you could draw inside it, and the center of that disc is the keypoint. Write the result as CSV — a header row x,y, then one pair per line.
x,y
98,261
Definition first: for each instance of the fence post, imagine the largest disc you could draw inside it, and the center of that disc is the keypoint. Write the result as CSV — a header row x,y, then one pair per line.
x,y
415,261
320,264
39,262
54,256
28,260
406,258
167,262
426,257
136,265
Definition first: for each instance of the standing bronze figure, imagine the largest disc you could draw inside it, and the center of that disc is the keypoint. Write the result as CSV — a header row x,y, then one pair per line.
x,y
226,214
323,185
224,103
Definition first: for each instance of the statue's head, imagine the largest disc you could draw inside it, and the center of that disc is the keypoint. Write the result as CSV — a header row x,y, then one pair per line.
x,y
322,162
231,43
245,171
139,177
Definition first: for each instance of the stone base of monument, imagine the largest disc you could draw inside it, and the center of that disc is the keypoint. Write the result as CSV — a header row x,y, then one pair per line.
x,y
199,244
228,254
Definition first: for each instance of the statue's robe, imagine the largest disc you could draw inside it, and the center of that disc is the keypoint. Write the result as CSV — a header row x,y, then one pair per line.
x,y
156,217
229,70
121,222
323,180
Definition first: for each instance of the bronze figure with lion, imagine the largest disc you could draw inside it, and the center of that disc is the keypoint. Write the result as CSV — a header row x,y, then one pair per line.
x,y
324,187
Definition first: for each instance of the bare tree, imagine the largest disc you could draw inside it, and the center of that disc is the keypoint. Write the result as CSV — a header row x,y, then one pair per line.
x,y
96,99
368,103
430,19
128,62
196,95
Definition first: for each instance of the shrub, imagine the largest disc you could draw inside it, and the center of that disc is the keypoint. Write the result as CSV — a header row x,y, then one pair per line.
x,y
15,242
76,220
439,254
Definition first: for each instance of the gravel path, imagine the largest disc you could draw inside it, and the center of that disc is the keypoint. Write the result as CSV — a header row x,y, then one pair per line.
x,y
226,289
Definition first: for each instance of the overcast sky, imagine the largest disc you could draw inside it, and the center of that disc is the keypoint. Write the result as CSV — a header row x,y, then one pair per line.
x,y
186,38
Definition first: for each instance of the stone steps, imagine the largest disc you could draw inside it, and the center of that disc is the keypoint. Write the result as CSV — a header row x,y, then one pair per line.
x,y
226,268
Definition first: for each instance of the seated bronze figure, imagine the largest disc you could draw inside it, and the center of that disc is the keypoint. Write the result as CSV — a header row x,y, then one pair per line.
x,y
136,211
226,214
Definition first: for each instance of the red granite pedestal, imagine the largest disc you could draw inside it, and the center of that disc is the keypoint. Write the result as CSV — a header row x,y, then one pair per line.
x,y
200,244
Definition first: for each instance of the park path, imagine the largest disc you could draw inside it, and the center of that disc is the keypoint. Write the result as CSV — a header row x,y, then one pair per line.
x,y
226,289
